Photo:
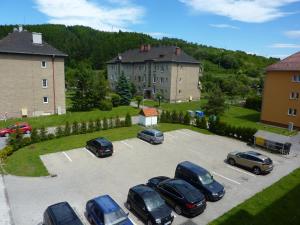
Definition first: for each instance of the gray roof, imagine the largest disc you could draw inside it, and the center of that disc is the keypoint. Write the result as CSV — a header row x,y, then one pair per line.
x,y
21,43
156,54
272,136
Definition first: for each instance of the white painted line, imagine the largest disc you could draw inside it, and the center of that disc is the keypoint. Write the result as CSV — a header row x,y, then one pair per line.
x,y
125,143
233,181
236,169
68,157
90,153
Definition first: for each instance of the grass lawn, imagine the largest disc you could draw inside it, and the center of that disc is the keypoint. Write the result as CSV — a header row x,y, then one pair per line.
x,y
55,120
276,205
26,161
183,106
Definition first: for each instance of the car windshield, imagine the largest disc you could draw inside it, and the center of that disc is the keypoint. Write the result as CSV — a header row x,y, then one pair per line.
x,y
115,217
206,178
159,134
153,202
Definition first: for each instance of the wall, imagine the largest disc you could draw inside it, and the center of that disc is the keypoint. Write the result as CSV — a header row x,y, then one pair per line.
x,y
21,85
276,99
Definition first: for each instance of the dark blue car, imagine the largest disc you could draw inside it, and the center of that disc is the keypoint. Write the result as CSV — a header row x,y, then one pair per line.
x,y
104,210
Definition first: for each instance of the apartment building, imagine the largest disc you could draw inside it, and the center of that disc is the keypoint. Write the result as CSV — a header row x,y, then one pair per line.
x,y
166,70
32,76
281,103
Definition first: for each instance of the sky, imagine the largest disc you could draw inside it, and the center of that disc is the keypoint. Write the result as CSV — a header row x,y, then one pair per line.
x,y
262,27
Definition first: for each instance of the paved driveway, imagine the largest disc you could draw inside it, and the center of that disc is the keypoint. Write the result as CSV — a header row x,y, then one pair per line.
x,y
81,176
2,142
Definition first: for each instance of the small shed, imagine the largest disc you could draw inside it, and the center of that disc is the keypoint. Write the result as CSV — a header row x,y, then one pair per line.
x,y
148,117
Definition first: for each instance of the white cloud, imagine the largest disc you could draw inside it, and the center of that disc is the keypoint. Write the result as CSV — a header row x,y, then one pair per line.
x,y
251,11
113,16
292,33
224,26
284,45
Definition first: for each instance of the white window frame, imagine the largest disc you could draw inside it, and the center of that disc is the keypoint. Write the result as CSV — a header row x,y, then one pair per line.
x,y
292,112
42,66
296,78
46,83
45,102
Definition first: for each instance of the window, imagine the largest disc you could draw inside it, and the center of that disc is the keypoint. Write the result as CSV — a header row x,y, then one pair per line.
x,y
296,78
294,95
43,64
154,79
161,80
292,112
45,83
179,91
45,100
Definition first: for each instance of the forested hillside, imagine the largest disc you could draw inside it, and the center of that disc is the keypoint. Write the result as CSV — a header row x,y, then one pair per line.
x,y
84,44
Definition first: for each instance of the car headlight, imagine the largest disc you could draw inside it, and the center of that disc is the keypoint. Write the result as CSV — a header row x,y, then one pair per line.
x,y
158,220
215,194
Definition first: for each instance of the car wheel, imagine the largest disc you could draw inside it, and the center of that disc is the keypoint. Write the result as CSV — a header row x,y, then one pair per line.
x,y
6,135
178,210
231,161
90,219
256,170
149,222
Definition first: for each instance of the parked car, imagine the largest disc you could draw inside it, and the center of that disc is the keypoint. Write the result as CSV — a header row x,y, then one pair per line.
x,y
254,161
61,214
152,136
100,147
24,128
201,179
103,210
149,206
180,195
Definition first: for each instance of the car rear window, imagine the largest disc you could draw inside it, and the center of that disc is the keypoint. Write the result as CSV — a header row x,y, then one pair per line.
x,y
189,192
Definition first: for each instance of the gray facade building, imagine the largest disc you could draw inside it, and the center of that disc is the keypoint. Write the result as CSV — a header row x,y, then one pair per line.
x,y
32,76
166,70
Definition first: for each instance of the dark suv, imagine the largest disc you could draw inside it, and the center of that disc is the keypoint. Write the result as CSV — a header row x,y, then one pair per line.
x,y
148,205
61,214
100,147
201,179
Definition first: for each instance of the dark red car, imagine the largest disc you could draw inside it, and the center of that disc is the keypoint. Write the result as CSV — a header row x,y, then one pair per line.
x,y
23,127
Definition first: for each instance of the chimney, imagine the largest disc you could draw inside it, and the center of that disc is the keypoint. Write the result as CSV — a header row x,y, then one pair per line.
x,y
177,51
37,38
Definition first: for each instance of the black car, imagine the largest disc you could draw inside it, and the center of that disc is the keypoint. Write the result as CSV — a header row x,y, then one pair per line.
x,y
179,194
61,214
149,206
201,179
100,147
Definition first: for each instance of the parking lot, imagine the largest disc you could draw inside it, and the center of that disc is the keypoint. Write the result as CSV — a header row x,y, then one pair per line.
x,y
81,176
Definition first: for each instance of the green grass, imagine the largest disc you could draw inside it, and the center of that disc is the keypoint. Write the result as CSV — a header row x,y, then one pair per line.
x,y
276,205
183,106
56,120
26,161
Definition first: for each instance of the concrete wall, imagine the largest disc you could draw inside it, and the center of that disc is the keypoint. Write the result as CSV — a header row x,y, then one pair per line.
x,y
21,85
276,99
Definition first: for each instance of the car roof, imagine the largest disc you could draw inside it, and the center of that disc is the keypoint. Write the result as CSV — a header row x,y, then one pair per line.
x,y
195,168
63,214
103,141
180,185
143,190
153,131
106,204
256,154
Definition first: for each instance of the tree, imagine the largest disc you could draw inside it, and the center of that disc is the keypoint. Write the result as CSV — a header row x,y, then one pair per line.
x,y
139,99
132,89
128,121
123,89
216,103
115,100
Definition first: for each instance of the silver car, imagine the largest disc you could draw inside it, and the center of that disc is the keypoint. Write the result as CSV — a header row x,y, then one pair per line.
x,y
151,135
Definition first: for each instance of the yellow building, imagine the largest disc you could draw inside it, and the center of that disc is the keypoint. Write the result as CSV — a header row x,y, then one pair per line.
x,y
281,103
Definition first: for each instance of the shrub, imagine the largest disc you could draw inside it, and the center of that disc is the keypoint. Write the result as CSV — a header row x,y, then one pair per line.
x,y
128,121
254,102
34,136
16,140
105,123
203,123
83,127
4,153
187,119
115,100
162,117
91,126
43,134
26,141
98,125
118,121
181,117
110,123
51,136
67,131
122,123
105,105
59,132
168,117
75,128
174,117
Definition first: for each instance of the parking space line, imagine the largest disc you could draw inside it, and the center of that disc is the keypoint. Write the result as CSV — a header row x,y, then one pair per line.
x,y
125,143
219,175
68,157
90,153
236,169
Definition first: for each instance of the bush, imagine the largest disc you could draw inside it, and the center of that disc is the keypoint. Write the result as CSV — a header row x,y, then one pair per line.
x,y
168,117
98,125
43,134
26,141
202,123
118,121
187,119
254,102
162,118
110,123
91,126
16,140
34,136
181,117
105,124
75,128
174,117
115,100
83,127
128,121
59,132
67,131
51,136
4,153
105,105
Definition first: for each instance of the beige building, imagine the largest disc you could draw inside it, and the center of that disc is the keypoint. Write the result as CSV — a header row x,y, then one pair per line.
x,y
281,103
32,77
166,70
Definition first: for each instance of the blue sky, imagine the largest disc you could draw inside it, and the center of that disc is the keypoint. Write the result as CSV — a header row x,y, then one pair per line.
x,y
263,27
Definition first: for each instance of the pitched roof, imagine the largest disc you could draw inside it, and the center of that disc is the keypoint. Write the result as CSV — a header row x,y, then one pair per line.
x,y
21,43
149,112
291,63
157,54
